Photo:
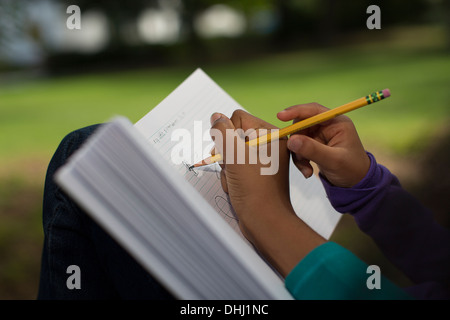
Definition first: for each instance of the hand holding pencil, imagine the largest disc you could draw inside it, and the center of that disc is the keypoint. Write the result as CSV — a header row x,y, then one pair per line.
x,y
305,123
262,202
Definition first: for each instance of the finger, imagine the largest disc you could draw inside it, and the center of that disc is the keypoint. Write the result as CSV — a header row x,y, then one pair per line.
x,y
220,125
216,116
303,165
246,121
305,147
301,111
251,126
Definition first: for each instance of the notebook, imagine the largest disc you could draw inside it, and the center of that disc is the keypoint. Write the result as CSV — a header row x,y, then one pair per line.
x,y
134,180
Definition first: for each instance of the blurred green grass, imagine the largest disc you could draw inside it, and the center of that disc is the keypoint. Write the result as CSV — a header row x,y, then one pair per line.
x,y
36,114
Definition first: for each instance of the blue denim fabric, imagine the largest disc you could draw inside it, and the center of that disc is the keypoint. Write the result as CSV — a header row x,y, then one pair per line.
x,y
73,238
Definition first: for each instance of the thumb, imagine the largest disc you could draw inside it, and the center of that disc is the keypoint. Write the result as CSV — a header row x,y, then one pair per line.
x,y
307,148
220,126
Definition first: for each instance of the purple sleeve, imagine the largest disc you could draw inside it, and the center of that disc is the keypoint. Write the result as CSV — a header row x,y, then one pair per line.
x,y
403,229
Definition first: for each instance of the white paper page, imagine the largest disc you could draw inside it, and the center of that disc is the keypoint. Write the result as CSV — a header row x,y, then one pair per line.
x,y
189,107
311,204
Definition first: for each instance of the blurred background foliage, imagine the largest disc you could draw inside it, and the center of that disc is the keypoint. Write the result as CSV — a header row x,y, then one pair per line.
x,y
267,54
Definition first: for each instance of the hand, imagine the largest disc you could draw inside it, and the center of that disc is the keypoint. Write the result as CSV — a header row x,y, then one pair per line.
x,y
242,180
262,202
333,145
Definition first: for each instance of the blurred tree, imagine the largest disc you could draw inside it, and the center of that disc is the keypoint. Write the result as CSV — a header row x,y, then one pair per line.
x,y
322,21
445,16
192,8
21,40
328,23
294,24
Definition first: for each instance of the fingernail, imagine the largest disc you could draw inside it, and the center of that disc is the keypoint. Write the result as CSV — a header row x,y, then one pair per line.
x,y
214,117
281,113
294,144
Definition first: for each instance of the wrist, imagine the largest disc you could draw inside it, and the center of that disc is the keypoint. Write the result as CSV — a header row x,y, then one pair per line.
x,y
260,212
352,176
369,178
280,236
365,193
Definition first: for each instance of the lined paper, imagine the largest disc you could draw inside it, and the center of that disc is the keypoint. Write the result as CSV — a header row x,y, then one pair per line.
x,y
189,108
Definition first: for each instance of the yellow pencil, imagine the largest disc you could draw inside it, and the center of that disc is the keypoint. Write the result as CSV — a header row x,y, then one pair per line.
x,y
321,117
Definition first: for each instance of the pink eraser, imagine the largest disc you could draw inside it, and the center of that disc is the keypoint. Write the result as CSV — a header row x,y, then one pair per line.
x,y
386,93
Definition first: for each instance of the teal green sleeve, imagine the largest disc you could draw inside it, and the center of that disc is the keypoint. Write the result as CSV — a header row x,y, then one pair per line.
x,y
331,272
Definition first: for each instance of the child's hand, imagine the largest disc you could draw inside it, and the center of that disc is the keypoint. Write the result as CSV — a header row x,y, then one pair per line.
x,y
248,188
333,145
262,202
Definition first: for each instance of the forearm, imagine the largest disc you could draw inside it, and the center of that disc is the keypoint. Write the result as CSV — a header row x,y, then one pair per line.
x,y
408,235
280,236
